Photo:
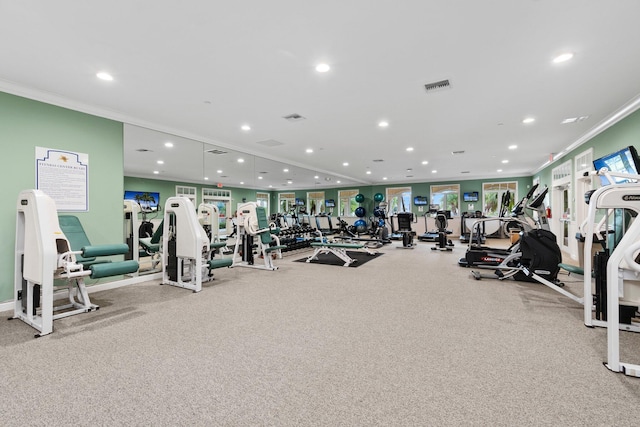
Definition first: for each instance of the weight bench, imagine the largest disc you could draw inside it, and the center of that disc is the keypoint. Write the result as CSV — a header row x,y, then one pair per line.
x,y
338,249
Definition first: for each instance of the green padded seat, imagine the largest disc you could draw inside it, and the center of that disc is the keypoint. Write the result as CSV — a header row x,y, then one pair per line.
x,y
265,237
572,269
220,262
337,245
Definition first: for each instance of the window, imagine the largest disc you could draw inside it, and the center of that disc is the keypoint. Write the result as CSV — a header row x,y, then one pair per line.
x,y
189,192
262,199
347,204
446,197
315,201
398,199
286,202
492,194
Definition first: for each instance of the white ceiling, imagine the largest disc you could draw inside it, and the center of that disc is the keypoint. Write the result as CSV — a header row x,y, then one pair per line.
x,y
199,70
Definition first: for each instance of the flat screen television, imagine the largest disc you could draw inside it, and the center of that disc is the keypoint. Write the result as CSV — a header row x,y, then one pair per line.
x,y
420,201
624,161
470,197
148,200
299,202
330,203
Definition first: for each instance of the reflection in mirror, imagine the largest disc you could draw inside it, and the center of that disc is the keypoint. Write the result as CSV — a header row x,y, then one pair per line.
x,y
188,160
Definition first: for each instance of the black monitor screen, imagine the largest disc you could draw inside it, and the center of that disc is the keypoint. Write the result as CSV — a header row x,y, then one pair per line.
x,y
624,161
148,200
420,201
470,197
300,202
330,203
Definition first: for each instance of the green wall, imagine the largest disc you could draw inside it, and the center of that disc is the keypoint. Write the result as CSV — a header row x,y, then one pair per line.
x,y
26,124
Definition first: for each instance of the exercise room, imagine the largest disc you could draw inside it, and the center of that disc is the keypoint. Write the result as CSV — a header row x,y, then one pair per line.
x,y
346,213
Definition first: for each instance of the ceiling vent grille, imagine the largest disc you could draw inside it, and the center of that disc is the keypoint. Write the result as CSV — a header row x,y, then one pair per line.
x,y
216,151
465,172
442,84
457,152
294,117
143,150
378,160
270,143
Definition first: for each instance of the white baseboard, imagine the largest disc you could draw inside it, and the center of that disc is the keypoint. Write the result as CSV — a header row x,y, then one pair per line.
x,y
8,306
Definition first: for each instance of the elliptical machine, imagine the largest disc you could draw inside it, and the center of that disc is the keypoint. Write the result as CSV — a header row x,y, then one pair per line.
x,y
444,244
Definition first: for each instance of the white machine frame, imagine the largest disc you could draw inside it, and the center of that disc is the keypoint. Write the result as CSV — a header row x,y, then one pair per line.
x,y
248,225
42,254
131,228
193,248
623,271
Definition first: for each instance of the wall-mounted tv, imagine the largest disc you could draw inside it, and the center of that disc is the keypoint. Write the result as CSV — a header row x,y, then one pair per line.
x,y
470,197
299,202
420,201
148,200
330,203
623,161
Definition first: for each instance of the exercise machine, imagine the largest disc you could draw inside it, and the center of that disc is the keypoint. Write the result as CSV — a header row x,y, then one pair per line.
x,y
478,255
252,223
44,253
444,243
404,228
188,255
617,272
209,218
141,239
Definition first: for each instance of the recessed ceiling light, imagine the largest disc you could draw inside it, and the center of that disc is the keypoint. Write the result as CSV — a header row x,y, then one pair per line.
x,y
289,181
240,160
270,186
245,127
424,162
562,58
322,68
285,170
498,170
409,149
384,178
206,178
316,177
383,124
505,161
156,172
528,120
345,164
259,177
104,76
160,162
168,144
513,147
241,182
368,172
338,182
409,169
219,171
309,150
570,120
434,171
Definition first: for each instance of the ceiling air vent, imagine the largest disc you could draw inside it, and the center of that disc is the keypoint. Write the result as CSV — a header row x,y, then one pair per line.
x,y
377,160
442,84
465,172
457,152
270,143
216,151
294,117
143,150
